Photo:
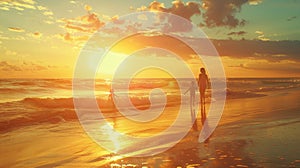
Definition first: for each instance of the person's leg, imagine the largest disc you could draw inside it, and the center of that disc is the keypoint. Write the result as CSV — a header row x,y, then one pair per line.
x,y
193,101
201,102
204,110
191,104
193,109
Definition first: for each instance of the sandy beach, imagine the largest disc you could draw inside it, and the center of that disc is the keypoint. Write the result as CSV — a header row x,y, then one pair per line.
x,y
260,131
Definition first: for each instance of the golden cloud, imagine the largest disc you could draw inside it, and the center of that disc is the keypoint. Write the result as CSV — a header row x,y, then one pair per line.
x,y
36,34
17,4
255,2
87,7
186,10
16,29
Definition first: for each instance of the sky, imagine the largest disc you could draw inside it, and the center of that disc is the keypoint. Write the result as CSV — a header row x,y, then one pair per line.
x,y
43,39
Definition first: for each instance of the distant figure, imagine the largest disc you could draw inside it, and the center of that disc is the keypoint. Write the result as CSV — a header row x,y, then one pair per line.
x,y
203,83
192,89
111,93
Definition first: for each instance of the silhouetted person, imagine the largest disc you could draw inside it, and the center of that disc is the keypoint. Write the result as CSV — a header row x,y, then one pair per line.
x,y
202,83
112,95
192,89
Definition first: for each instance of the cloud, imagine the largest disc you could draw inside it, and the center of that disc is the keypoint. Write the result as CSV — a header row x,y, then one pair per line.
x,y
5,66
15,29
142,8
2,37
87,23
157,6
291,18
35,35
73,2
239,33
286,66
185,10
255,2
261,67
29,1
21,5
259,32
261,36
31,66
222,13
4,8
48,22
69,37
79,29
117,20
216,13
42,8
17,4
24,66
256,49
10,53
87,7
179,8
48,13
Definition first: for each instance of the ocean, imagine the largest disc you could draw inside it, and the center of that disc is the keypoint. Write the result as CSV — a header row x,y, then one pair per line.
x,y
40,128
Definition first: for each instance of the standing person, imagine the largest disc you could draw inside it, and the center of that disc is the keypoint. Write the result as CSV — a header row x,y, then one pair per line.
x,y
202,83
192,89
111,96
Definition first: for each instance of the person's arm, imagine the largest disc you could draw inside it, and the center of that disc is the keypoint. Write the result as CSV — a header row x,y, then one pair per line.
x,y
187,91
114,94
207,82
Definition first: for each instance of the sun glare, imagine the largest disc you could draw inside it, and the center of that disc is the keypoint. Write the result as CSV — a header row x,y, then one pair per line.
x,y
113,137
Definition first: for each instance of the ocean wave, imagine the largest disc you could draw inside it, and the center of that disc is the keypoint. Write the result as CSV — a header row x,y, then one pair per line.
x,y
12,90
242,94
33,118
32,111
282,81
268,89
139,100
50,102
104,102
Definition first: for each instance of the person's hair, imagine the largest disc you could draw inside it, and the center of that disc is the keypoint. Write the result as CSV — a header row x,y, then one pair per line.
x,y
202,70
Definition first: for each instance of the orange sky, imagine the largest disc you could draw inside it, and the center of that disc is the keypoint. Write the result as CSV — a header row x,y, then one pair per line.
x,y
42,40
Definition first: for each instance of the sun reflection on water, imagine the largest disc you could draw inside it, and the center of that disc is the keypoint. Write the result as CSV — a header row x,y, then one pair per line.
x,y
114,137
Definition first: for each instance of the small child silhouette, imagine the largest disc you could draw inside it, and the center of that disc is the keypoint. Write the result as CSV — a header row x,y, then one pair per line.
x,y
192,89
